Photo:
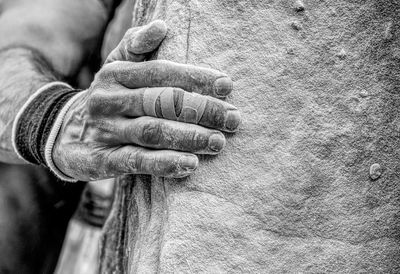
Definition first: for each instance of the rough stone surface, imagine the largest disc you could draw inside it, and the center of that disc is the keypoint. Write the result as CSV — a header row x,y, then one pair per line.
x,y
375,171
291,193
299,5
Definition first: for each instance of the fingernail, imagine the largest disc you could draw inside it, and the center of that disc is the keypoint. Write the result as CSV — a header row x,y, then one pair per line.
x,y
188,163
223,86
216,142
232,120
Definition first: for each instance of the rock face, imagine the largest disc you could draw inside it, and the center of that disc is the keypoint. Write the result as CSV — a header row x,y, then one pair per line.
x,y
310,183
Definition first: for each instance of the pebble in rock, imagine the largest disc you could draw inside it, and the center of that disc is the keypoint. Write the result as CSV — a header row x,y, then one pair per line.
x,y
299,6
375,171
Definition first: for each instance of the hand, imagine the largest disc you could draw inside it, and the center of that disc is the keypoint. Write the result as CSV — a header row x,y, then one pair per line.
x,y
145,118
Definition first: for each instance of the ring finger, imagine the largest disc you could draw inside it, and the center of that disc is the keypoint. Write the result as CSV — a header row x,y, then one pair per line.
x,y
158,133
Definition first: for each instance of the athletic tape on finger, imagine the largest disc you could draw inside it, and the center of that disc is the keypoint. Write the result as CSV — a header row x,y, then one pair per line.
x,y
150,97
192,109
168,104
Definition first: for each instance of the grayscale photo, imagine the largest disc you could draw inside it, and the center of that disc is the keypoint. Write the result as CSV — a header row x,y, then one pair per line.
x,y
199,136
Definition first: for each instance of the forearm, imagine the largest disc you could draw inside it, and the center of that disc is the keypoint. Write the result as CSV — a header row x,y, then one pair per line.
x,y
22,72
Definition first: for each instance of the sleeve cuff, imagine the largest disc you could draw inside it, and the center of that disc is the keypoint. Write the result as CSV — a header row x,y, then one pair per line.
x,y
48,151
38,122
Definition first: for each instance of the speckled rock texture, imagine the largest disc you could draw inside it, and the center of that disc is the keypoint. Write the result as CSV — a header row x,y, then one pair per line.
x,y
310,183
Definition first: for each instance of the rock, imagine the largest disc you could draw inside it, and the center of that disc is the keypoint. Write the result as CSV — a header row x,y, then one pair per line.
x,y
299,6
388,33
290,193
375,171
342,54
296,25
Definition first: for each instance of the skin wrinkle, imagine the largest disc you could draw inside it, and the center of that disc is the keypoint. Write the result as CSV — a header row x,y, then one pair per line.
x,y
13,59
151,133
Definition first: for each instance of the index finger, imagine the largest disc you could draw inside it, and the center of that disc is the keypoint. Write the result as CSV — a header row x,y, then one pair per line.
x,y
161,73
138,42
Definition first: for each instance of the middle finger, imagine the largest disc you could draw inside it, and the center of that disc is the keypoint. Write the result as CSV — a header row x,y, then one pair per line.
x,y
158,133
169,103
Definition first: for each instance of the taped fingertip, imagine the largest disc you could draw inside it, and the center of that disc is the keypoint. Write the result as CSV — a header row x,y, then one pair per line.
x,y
223,86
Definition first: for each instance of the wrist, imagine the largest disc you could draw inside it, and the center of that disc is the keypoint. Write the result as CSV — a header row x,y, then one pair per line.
x,y
37,124
22,72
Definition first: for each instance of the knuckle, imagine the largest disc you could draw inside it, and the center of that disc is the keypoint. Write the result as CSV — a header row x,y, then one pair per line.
x,y
121,52
129,161
108,71
129,36
161,165
214,114
104,131
119,162
168,169
151,133
159,65
159,71
120,72
138,162
95,102
99,165
130,32
113,56
105,70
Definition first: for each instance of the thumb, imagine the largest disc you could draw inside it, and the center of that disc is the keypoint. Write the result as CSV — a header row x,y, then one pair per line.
x,y
139,42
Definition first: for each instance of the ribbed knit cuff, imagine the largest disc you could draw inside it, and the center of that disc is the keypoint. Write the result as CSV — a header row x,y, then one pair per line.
x,y
48,150
35,122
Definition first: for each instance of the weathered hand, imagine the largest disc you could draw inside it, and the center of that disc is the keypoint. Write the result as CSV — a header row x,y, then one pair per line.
x,y
144,118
